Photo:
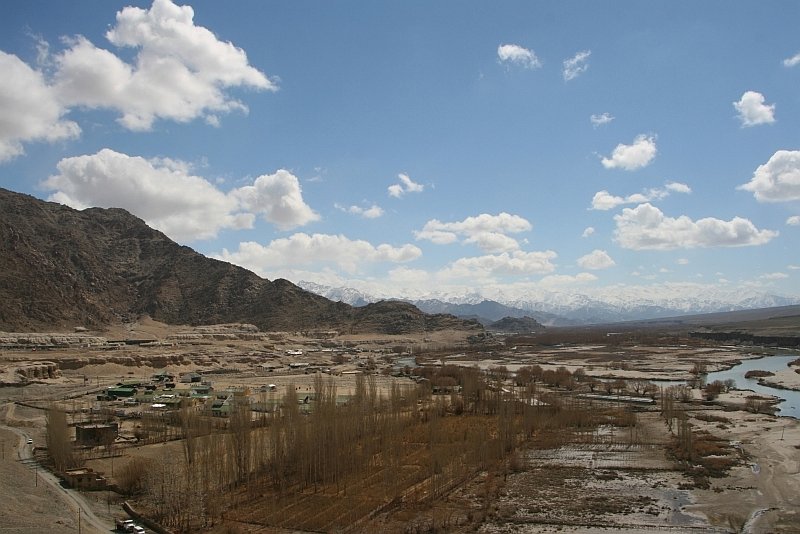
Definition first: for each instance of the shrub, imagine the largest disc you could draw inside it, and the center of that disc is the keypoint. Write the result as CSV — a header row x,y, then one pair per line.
x,y
756,373
709,418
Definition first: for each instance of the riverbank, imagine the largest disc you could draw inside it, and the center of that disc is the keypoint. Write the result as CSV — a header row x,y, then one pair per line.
x,y
784,383
763,492
784,379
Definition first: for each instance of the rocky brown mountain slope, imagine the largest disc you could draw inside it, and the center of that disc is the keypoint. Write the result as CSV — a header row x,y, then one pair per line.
x,y
61,268
517,325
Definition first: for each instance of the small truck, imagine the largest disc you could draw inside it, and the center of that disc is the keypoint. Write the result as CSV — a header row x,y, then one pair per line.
x,y
124,525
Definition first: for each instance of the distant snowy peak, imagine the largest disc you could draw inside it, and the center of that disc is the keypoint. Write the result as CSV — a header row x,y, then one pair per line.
x,y
611,304
347,295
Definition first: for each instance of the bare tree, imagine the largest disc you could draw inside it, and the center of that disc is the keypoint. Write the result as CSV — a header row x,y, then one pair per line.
x,y
698,371
240,434
131,477
523,376
639,386
620,386
713,389
592,383
59,444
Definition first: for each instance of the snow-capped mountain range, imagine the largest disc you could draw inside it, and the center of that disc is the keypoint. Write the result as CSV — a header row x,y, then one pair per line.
x,y
555,308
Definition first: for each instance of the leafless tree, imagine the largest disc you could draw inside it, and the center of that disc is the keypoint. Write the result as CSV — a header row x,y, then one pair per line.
x,y
59,443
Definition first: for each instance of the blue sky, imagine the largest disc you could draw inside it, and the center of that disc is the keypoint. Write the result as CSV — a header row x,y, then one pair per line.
x,y
404,148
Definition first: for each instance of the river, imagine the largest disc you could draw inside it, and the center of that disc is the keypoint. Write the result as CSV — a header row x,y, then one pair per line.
x,y
789,407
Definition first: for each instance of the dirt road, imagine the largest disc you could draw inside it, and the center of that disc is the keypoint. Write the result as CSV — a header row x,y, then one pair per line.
x,y
34,500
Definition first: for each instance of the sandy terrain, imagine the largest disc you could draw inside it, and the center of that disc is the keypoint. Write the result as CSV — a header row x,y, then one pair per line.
x,y
766,489
788,378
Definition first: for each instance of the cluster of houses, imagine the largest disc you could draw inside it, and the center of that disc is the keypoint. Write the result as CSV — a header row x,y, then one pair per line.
x,y
163,394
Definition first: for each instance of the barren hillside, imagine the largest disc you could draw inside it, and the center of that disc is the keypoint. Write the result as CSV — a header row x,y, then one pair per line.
x,y
61,268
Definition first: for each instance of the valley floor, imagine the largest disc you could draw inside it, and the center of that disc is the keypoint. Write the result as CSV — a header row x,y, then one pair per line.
x,y
620,479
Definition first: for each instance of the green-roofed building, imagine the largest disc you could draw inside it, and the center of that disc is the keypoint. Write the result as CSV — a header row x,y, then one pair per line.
x,y
121,391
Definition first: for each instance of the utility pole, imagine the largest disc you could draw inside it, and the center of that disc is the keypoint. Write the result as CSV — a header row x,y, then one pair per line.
x,y
79,520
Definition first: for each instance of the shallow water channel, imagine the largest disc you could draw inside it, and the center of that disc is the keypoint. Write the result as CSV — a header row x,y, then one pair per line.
x,y
790,407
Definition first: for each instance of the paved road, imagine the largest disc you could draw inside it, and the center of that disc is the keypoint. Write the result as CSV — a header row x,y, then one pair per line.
x,y
90,523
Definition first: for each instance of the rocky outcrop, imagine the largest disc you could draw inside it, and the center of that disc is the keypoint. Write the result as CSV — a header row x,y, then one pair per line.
x,y
38,371
517,325
397,318
13,339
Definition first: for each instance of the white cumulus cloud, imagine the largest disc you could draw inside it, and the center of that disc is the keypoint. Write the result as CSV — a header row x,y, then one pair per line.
x,y
561,280
403,276
278,198
303,249
517,263
596,260
778,180
488,232
183,206
604,201
492,241
372,212
634,156
774,276
518,55
794,220
170,198
753,111
576,65
406,185
437,237
589,230
646,227
677,187
29,109
180,70
601,119
792,61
